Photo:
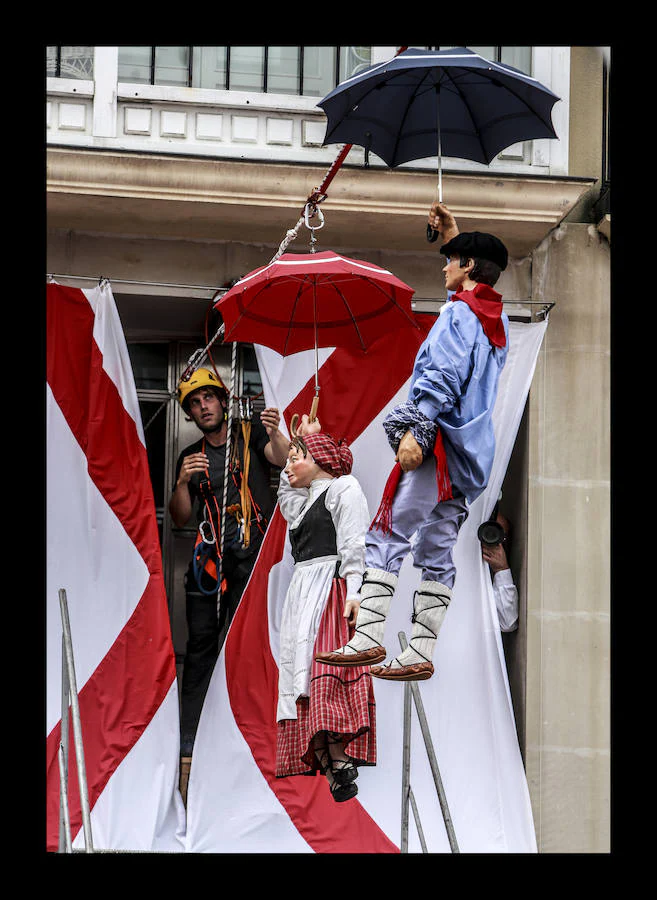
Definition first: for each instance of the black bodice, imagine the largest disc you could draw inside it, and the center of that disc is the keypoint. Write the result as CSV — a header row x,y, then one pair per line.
x,y
314,536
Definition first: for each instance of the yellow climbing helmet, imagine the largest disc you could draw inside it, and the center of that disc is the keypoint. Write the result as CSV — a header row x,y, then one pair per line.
x,y
201,378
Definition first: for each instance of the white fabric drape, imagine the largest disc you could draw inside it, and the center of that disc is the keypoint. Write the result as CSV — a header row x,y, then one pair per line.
x,y
231,804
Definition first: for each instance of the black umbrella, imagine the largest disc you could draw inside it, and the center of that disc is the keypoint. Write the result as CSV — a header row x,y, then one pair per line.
x,y
444,102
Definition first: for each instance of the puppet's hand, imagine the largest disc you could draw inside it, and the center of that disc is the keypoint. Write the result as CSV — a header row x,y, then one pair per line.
x,y
350,613
442,221
409,453
307,427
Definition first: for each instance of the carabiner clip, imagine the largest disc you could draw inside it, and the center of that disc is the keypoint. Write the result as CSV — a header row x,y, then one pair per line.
x,y
316,212
205,528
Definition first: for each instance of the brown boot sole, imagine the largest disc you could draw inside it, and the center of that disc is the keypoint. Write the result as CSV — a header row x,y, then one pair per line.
x,y
417,672
363,658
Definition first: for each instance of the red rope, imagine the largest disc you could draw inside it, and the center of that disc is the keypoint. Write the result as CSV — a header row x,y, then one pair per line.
x,y
319,194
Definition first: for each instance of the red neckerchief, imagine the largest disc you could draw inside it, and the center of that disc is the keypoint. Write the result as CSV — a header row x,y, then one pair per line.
x,y
486,304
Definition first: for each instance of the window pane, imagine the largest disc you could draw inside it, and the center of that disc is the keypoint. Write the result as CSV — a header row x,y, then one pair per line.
x,y
51,61
135,64
353,60
209,67
283,70
154,414
77,62
518,57
247,68
172,65
150,363
318,71
486,52
251,379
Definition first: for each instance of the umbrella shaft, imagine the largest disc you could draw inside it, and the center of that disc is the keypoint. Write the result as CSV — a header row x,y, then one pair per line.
x,y
440,151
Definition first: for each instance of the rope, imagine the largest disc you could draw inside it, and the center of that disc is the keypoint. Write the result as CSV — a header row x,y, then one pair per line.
x,y
229,426
317,196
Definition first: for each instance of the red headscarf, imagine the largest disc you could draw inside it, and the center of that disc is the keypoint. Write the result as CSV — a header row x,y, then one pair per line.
x,y
330,455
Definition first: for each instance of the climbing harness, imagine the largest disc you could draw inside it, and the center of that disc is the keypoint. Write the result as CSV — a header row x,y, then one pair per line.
x,y
208,549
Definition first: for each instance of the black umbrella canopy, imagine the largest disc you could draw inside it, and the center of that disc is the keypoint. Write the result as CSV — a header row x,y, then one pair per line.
x,y
425,103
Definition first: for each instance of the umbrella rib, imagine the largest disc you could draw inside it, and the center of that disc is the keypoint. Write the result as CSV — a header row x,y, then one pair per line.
x,y
448,77
480,131
394,302
405,116
297,299
351,315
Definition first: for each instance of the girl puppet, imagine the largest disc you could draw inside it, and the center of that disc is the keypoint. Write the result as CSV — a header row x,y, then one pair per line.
x,y
325,717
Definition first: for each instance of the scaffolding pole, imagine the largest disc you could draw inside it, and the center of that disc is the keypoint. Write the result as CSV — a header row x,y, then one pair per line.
x,y
70,696
411,689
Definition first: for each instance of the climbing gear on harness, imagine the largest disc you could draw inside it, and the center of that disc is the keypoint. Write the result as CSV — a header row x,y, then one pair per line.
x,y
430,604
246,413
200,379
207,549
365,648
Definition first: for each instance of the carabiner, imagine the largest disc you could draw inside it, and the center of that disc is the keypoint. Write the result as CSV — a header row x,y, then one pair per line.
x,y
204,528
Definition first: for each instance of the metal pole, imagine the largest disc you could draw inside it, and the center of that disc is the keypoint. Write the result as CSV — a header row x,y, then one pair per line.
x,y
416,816
65,845
64,824
77,728
406,768
433,762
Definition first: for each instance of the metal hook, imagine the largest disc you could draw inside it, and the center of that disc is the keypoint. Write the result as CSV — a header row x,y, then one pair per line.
x,y
316,211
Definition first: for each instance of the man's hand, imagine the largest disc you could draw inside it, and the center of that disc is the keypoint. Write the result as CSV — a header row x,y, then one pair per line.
x,y
409,453
271,419
495,556
276,449
442,221
195,462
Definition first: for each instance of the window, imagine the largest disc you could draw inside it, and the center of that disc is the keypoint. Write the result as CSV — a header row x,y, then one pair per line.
x,y
70,62
150,367
305,71
518,57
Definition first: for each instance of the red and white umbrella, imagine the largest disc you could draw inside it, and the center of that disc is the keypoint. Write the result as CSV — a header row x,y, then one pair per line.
x,y
303,301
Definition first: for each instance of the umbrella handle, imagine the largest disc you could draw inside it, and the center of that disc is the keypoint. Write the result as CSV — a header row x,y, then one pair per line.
x,y
313,409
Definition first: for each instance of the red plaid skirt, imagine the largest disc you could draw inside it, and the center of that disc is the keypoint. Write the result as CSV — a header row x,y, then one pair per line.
x,y
341,700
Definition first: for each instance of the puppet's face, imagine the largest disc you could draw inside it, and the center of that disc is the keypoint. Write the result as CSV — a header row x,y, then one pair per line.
x,y
455,273
300,469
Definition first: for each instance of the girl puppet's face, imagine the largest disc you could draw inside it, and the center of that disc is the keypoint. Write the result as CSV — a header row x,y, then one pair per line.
x,y
301,470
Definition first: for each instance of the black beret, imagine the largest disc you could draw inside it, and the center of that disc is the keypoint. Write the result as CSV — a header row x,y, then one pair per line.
x,y
479,245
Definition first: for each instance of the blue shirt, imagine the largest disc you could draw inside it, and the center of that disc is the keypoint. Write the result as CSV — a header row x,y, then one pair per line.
x,y
454,383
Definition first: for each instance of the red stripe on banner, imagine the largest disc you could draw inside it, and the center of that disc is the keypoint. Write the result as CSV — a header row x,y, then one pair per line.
x,y
129,684
251,671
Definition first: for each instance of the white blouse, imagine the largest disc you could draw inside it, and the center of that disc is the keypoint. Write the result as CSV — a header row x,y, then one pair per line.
x,y
347,505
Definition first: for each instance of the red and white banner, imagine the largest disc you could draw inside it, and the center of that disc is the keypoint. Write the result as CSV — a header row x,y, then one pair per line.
x,y
103,549
235,804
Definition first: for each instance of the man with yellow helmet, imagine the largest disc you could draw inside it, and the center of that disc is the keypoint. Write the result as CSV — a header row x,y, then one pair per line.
x,y
199,488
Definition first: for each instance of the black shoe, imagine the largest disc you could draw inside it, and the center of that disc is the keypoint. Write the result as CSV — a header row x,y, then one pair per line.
x,y
342,792
344,771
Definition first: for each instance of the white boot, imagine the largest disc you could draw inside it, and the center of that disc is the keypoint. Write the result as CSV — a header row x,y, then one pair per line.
x,y
366,646
430,604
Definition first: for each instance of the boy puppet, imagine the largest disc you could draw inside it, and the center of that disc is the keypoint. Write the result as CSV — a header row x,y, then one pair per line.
x,y
444,444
